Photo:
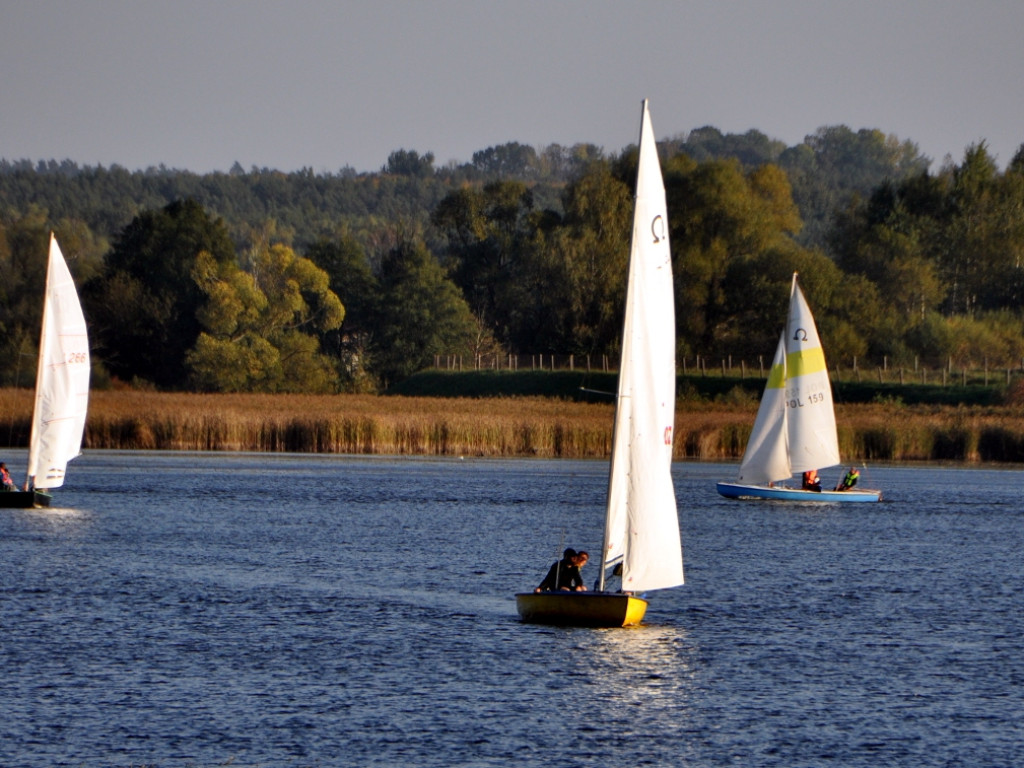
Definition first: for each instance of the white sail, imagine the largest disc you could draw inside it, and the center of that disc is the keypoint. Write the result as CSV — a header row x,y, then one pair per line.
x,y
813,442
767,456
62,378
642,523
795,428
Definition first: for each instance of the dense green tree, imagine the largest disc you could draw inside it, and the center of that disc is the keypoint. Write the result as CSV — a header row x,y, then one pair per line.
x,y
351,278
836,163
558,163
511,160
588,257
259,325
421,313
409,163
981,262
487,233
719,215
752,149
889,241
143,307
23,259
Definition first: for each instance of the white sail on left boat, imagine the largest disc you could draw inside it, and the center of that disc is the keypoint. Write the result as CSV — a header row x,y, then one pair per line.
x,y
641,517
62,388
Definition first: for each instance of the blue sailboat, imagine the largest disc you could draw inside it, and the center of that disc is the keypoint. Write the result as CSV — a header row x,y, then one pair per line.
x,y
795,428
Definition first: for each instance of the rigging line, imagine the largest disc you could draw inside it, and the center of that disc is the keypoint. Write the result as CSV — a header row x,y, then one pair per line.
x,y
558,556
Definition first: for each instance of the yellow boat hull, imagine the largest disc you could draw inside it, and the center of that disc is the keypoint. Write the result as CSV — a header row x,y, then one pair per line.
x,y
581,609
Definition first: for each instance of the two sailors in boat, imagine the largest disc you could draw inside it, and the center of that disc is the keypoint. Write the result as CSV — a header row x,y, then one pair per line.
x,y
565,574
6,484
813,483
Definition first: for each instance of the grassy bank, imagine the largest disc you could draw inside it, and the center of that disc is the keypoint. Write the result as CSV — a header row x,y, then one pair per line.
x,y
504,426
578,386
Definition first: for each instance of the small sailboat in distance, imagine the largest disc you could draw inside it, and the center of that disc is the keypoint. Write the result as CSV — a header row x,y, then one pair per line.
x,y
62,388
795,427
641,518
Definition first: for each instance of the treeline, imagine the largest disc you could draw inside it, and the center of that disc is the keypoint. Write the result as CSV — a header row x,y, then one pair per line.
x,y
270,282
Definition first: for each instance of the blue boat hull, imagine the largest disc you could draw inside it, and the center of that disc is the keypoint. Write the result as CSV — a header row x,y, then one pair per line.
x,y
781,493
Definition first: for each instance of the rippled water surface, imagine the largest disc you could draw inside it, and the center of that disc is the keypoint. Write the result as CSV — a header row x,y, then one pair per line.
x,y
207,609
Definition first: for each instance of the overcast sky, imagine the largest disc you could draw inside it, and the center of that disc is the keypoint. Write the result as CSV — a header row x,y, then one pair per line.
x,y
296,83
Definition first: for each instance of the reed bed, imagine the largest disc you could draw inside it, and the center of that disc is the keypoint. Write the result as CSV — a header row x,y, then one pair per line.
x,y
504,426
359,424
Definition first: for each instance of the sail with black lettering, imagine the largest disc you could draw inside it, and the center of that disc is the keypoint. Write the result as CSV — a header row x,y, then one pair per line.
x,y
795,428
62,379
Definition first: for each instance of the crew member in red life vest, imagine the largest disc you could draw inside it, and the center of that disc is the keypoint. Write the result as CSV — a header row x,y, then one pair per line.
x,y
811,481
5,478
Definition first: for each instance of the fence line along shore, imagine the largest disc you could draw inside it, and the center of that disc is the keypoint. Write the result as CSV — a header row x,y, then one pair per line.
x,y
950,373
502,426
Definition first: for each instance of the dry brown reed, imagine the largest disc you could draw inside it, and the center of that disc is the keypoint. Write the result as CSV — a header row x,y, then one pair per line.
x,y
527,426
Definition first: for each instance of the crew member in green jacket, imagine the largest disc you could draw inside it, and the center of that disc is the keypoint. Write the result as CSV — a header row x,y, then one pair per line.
x,y
849,480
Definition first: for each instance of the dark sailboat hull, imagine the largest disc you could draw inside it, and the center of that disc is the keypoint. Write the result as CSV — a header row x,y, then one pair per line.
x,y
24,499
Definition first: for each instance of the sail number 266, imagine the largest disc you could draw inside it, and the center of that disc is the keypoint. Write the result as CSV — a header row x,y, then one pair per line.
x,y
77,357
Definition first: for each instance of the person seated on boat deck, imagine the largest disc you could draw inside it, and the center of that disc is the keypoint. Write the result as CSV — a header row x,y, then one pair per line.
x,y
849,480
811,480
563,574
581,559
5,478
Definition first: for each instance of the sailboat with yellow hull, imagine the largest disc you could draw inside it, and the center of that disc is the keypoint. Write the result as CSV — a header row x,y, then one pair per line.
x,y
641,518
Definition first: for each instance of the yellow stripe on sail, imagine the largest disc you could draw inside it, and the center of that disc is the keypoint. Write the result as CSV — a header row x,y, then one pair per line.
x,y
776,377
805,361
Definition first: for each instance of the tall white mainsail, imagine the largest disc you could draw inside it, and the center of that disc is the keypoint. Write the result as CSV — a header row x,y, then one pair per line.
x,y
62,378
642,522
813,441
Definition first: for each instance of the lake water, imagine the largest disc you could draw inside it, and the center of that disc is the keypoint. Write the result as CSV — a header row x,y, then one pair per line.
x,y
264,610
